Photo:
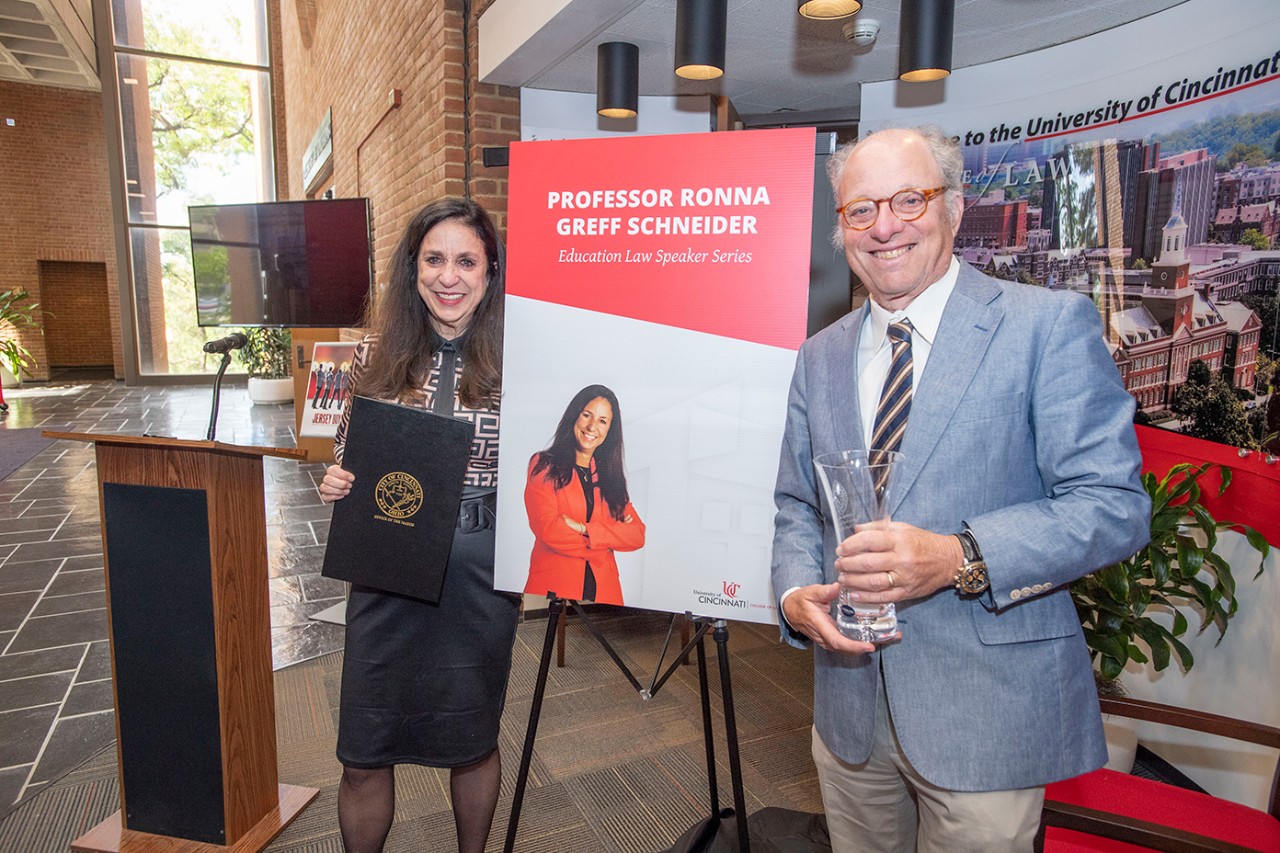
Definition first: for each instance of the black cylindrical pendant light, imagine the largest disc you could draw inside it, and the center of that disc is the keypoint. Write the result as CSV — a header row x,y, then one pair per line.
x,y
827,10
617,79
924,52
700,38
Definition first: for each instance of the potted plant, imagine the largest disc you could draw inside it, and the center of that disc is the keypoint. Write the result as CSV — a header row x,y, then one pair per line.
x,y
1179,572
15,359
266,357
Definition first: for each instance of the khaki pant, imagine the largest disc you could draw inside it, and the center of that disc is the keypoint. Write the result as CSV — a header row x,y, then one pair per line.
x,y
884,806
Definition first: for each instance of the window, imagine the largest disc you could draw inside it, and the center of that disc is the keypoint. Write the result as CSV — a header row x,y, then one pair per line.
x,y
195,114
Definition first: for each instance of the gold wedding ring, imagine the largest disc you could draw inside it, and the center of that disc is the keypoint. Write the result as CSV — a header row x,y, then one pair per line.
x,y
890,576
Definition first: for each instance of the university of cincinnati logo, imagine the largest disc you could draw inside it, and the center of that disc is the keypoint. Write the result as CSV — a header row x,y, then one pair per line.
x,y
398,495
727,597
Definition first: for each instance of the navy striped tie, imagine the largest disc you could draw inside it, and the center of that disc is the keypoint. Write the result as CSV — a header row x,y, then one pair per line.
x,y
895,398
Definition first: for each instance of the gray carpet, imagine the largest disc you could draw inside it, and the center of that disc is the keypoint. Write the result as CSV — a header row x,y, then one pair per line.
x,y
612,772
17,447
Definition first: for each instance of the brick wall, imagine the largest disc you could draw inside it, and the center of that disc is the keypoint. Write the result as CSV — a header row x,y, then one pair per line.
x,y
351,57
57,204
494,122
279,121
77,328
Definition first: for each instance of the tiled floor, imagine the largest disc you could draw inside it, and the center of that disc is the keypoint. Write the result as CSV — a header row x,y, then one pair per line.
x,y
55,676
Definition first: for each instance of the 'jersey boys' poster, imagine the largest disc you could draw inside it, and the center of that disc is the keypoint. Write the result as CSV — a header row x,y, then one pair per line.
x,y
656,298
328,388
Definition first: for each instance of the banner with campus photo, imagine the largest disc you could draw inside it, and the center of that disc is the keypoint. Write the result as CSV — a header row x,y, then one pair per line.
x,y
656,299
1140,166
328,388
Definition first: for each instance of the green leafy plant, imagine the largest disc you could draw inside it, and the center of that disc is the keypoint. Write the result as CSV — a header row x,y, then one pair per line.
x,y
15,317
266,355
1179,571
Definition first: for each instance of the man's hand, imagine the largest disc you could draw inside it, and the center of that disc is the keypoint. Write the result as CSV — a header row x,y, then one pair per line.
x,y
808,610
895,562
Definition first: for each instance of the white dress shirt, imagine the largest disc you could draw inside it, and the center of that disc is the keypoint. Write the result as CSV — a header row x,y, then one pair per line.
x,y
875,352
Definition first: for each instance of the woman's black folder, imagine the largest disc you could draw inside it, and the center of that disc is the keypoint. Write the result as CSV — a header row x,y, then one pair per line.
x,y
394,530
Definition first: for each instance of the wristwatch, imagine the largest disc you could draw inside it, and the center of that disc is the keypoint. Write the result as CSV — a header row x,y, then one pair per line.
x,y
971,578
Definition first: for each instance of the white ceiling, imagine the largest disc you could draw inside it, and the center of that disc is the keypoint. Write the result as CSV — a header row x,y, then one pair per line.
x,y
777,60
46,42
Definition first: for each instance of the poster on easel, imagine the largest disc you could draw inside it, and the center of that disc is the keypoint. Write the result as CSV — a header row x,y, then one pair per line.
x,y
328,389
657,294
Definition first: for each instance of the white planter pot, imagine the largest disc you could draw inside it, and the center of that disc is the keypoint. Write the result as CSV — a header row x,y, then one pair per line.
x,y
268,391
1122,742
8,380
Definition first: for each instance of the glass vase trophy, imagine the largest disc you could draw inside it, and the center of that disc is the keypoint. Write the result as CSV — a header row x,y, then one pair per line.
x,y
858,487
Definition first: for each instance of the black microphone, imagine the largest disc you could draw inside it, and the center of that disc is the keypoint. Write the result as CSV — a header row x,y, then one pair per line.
x,y
230,342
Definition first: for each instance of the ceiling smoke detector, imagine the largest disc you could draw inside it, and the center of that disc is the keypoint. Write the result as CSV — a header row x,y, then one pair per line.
x,y
862,31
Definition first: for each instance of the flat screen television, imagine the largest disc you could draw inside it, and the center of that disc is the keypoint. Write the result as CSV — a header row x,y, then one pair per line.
x,y
284,263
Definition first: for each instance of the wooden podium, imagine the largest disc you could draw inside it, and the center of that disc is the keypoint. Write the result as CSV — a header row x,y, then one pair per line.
x,y
184,537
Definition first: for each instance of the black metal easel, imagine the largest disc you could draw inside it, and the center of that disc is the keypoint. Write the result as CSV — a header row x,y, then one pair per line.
x,y
720,632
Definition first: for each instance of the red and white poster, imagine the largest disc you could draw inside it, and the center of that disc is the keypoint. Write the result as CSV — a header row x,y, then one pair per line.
x,y
656,297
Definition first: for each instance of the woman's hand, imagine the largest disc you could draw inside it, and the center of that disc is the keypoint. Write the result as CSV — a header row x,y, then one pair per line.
x,y
575,526
336,484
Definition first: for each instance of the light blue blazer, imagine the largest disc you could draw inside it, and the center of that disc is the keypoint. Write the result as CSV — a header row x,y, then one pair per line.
x,y
1021,429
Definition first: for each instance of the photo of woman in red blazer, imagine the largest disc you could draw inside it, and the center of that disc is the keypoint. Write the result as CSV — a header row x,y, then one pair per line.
x,y
576,498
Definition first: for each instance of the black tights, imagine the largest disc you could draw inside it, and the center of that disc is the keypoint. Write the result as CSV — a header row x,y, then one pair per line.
x,y
367,804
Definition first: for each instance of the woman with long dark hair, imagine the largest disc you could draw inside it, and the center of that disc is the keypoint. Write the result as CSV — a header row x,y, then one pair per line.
x,y
425,683
578,506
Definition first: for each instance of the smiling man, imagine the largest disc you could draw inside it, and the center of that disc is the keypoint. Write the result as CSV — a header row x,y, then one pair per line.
x,y
1019,475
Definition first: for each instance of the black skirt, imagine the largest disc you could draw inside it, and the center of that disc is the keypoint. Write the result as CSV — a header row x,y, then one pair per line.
x,y
425,683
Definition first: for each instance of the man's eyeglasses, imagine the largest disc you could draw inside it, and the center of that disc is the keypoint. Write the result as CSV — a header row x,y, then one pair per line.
x,y
908,205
